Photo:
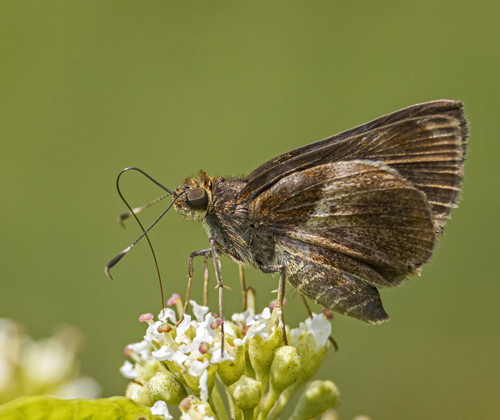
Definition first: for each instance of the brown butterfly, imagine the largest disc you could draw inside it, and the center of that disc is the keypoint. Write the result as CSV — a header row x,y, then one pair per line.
x,y
343,216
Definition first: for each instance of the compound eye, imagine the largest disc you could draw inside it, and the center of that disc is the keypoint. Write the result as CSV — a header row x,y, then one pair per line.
x,y
197,199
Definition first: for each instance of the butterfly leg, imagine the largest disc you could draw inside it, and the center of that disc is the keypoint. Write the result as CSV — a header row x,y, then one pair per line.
x,y
308,309
281,292
220,286
243,288
205,282
281,298
203,253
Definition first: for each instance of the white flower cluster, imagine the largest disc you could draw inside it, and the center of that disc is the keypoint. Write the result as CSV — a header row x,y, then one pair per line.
x,y
174,359
48,366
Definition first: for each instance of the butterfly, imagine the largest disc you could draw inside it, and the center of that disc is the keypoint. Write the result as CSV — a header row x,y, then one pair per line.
x,y
344,216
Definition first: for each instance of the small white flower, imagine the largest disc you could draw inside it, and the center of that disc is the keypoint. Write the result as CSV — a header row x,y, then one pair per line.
x,y
141,348
128,370
164,353
179,358
167,313
152,334
320,327
182,328
295,334
239,319
188,348
259,318
216,357
197,367
204,331
261,324
199,311
160,408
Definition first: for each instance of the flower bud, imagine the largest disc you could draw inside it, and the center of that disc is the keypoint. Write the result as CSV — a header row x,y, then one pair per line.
x,y
139,394
195,409
164,386
246,393
175,369
146,369
310,355
261,351
285,367
318,397
231,370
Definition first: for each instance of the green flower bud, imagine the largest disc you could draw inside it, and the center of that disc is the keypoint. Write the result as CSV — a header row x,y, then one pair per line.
x,y
284,371
139,393
318,397
146,369
285,367
231,370
164,386
195,409
310,355
261,352
246,393
175,369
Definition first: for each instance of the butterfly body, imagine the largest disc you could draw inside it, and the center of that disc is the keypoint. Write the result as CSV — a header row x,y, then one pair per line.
x,y
343,216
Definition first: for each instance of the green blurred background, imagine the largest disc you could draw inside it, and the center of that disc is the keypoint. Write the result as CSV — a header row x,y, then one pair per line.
x,y
90,87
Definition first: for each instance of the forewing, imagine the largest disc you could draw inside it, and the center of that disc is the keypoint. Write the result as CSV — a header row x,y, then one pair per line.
x,y
360,209
425,143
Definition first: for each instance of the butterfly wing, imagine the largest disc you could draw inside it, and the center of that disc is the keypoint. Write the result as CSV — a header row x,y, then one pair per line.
x,y
342,228
425,143
326,279
362,210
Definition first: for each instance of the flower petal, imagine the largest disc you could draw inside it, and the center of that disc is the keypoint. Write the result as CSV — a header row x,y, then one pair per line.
x,y
167,313
164,353
128,370
160,408
199,311
197,367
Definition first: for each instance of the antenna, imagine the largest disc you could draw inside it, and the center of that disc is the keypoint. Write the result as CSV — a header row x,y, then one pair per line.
x,y
132,212
124,216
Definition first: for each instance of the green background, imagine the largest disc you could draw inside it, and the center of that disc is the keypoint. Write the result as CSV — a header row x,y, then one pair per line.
x,y
88,88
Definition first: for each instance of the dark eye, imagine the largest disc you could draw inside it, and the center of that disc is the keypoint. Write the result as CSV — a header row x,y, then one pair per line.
x,y
197,199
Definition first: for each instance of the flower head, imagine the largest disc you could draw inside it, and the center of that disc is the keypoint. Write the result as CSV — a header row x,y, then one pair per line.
x,y
176,359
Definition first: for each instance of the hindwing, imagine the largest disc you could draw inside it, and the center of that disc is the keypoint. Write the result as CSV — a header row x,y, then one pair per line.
x,y
332,280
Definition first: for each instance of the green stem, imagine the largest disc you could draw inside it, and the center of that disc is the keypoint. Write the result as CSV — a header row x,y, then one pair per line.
x,y
272,395
281,403
218,404
235,412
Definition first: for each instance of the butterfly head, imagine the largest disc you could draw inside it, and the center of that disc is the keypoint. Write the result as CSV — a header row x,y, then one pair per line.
x,y
194,197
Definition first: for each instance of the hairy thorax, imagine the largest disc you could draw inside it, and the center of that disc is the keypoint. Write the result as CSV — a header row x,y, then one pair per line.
x,y
226,219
